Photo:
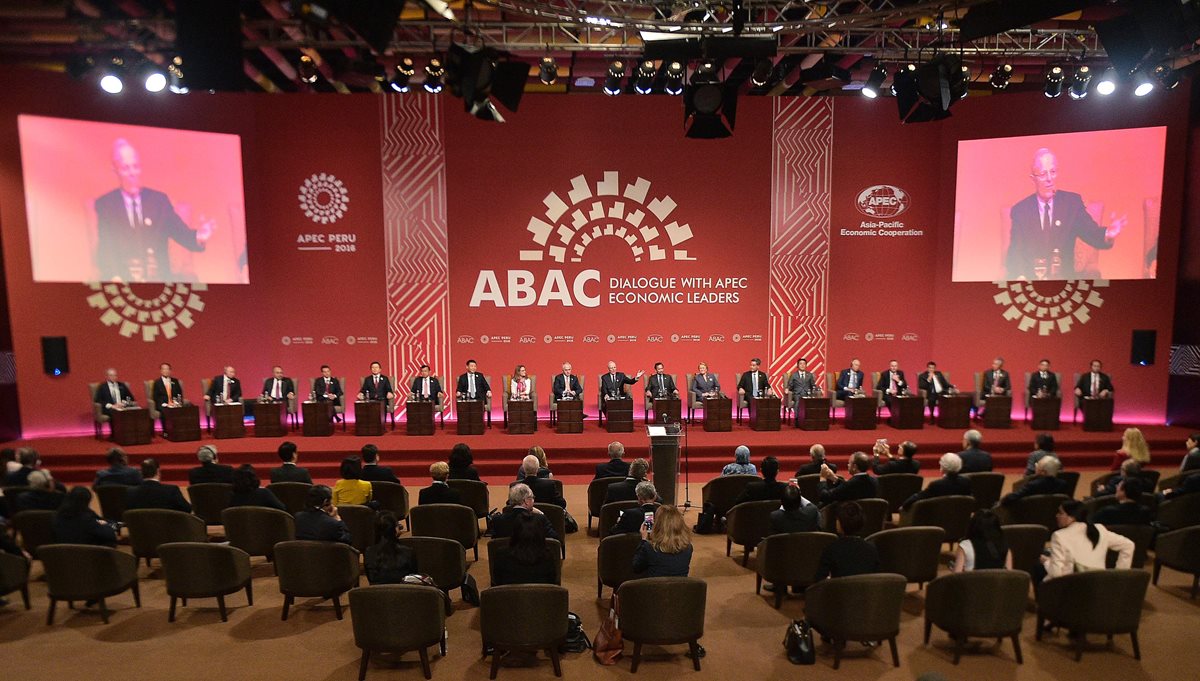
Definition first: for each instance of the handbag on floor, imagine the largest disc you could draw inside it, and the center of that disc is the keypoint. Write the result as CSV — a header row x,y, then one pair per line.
x,y
608,644
799,642
577,639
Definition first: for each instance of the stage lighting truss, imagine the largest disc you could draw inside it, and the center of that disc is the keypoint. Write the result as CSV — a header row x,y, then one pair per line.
x,y
434,72
1166,76
1054,82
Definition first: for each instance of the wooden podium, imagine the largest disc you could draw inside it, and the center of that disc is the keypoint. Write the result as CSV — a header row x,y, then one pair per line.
x,y
229,421
619,414
570,416
860,413
181,424
270,419
131,426
1097,414
812,413
906,412
764,413
718,414
522,417
419,419
1044,413
318,418
954,411
664,459
671,406
470,417
997,411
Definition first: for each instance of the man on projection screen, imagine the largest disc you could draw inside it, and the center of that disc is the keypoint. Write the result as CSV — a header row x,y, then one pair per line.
x,y
134,223
1046,224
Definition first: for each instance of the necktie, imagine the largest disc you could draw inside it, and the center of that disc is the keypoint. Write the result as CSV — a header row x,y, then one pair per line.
x,y
167,382
612,383
471,386
661,387
376,386
1045,216
116,395
995,379
327,388
894,381
754,381
275,392
1095,384
425,388
225,390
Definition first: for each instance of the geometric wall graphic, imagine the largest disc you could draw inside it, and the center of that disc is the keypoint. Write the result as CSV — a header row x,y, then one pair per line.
x,y
1072,303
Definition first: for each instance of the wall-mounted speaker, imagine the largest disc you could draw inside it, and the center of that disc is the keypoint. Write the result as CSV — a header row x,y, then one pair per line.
x,y
54,355
1142,352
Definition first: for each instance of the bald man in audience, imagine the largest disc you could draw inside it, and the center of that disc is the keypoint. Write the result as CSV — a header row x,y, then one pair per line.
x,y
520,502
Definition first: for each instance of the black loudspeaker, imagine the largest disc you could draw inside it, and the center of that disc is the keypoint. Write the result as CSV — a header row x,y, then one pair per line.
x,y
209,38
54,355
1142,352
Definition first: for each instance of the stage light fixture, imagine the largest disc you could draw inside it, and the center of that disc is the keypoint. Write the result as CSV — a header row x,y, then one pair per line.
x,y
1080,81
1167,76
1107,83
674,86
434,71
548,71
762,72
1054,82
904,72
874,82
175,80
1143,84
706,72
959,87
612,80
152,77
1000,77
644,84
404,73
307,69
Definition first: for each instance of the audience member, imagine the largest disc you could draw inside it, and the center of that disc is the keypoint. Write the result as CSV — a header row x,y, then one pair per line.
x,y
525,559
767,489
1045,482
119,472
1043,446
1133,446
41,495
438,492
319,521
849,554
520,503
632,518
371,470
974,459
545,491
951,483
289,471
27,460
1189,485
666,548
1191,460
860,485
813,467
351,488
247,490
152,493
1079,544
209,469
1128,510
543,470
76,523
461,463
984,547
797,514
616,466
626,490
741,463
905,463
388,561
8,456
1129,469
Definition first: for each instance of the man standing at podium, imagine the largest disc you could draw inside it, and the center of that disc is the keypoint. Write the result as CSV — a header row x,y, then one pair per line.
x,y
279,387
472,385
934,384
566,384
425,387
1094,383
753,383
850,380
613,384
995,382
377,387
1043,382
891,382
660,384
225,388
167,389
112,392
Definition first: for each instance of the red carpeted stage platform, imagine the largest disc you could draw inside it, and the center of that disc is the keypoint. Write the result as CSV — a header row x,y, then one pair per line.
x,y
573,457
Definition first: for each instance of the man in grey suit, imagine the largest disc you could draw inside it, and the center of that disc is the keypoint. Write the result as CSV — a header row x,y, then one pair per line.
x,y
803,382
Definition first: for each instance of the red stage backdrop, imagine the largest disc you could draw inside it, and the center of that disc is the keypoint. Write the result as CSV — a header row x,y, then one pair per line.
x,y
585,229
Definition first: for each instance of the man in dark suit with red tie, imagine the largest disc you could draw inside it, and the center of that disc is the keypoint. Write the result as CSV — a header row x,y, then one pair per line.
x,y
376,387
278,386
891,382
427,387
1043,382
225,388
328,388
1095,383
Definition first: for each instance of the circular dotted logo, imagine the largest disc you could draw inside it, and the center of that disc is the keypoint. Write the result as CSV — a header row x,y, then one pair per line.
x,y
148,311
286,340
484,339
350,340
1042,307
548,338
612,338
324,198
870,337
737,338
674,338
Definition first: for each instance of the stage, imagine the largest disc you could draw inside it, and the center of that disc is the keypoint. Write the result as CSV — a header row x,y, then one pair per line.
x,y
573,456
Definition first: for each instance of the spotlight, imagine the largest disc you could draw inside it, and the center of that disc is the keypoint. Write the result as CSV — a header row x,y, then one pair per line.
x,y
1107,83
1080,82
111,76
1000,77
706,72
307,69
433,76
903,73
175,76
548,71
644,84
1167,76
959,87
1143,84
404,72
153,78
612,81
1054,82
762,72
674,86
870,89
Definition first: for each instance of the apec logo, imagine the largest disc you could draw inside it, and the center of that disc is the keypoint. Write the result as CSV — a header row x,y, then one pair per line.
x,y
882,201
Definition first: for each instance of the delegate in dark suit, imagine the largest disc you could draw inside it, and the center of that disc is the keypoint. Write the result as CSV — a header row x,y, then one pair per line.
x,y
761,490
561,385
544,490
949,485
843,382
1126,513
885,381
860,486
38,500
747,382
122,243
154,494
934,387
84,528
661,385
159,391
814,467
290,472
613,468
626,490
1047,383
503,524
217,388
975,460
375,473
846,557
259,496
286,385
328,389
118,475
1068,221
376,388
807,518
993,378
632,518
1084,385
901,465
104,396
439,493
210,472
1041,484
481,386
317,525
801,384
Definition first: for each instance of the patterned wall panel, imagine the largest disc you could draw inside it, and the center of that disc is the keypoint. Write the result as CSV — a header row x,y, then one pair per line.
x,y
800,225
414,204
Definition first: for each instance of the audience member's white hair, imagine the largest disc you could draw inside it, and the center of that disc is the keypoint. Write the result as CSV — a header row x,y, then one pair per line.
x,y
645,491
1050,465
616,450
530,465
973,437
950,463
816,450
39,480
518,493
207,454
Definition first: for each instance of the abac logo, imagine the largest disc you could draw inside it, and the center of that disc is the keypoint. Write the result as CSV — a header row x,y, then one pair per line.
x,y
882,201
466,339
563,232
526,339
324,198
164,314
850,336
716,338
911,337
654,338
591,338
1032,309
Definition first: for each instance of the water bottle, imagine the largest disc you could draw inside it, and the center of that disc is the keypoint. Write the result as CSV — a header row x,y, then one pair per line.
x,y
1056,264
